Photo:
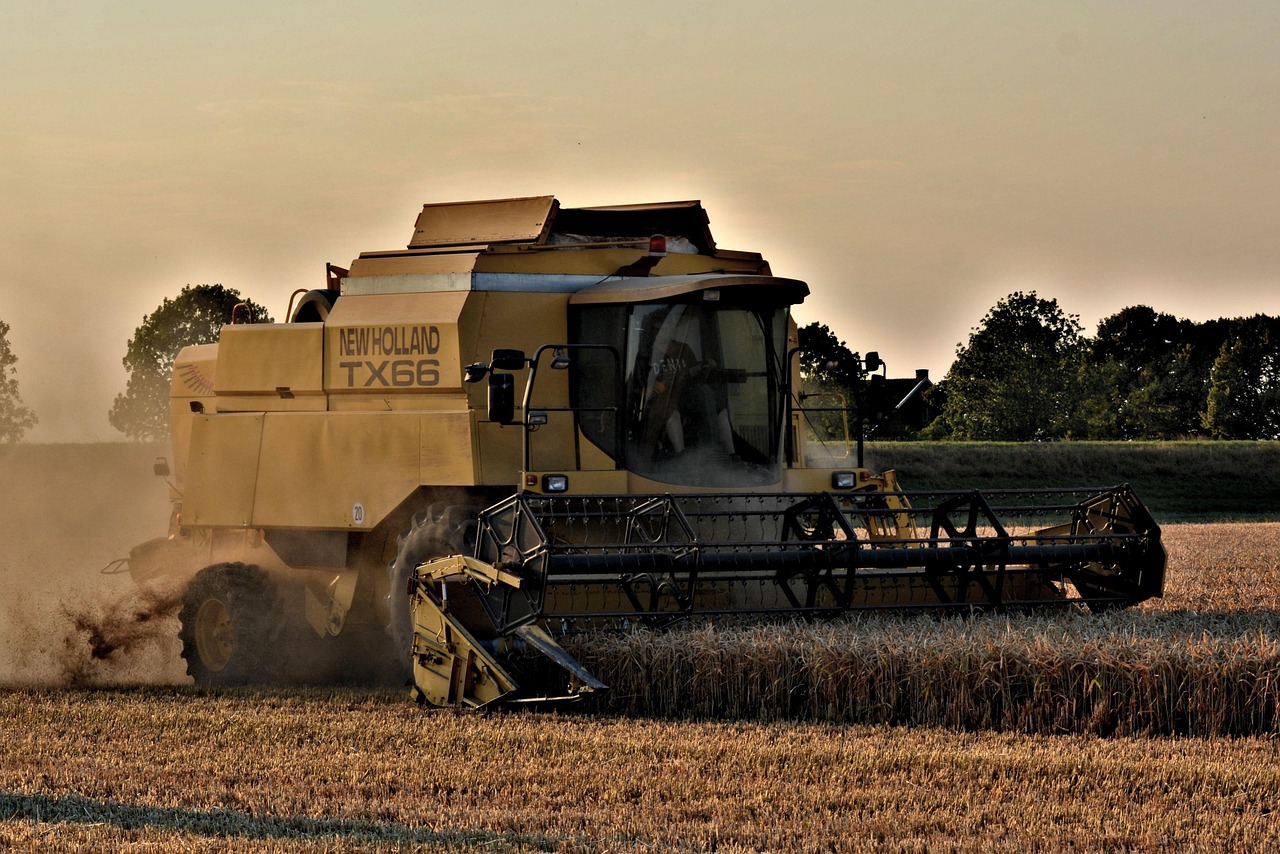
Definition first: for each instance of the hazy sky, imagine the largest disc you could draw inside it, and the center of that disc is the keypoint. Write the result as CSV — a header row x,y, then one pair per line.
x,y
914,162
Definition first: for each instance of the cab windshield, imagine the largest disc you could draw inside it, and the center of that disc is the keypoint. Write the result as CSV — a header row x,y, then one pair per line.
x,y
700,391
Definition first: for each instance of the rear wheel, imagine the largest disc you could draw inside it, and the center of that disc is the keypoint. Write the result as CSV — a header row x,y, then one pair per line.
x,y
434,532
230,621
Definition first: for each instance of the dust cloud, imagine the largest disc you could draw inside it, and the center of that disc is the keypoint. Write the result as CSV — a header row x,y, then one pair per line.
x,y
66,511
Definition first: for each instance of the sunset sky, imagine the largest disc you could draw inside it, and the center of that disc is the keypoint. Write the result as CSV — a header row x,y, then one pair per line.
x,y
914,162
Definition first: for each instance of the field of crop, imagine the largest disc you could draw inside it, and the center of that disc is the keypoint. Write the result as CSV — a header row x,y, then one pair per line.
x,y
1149,729
1204,660
331,771
752,762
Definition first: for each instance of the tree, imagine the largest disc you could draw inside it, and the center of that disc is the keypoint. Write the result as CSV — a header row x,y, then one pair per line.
x,y
1243,401
1160,391
1138,376
1229,409
195,316
825,360
15,419
1165,398
1101,410
1017,378
828,368
1138,336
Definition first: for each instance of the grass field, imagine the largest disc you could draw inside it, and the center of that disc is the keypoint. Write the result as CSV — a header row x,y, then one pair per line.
x,y
167,767
1179,481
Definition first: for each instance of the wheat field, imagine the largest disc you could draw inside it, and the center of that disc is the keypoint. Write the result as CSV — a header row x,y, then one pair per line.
x,y
171,768
318,770
1203,660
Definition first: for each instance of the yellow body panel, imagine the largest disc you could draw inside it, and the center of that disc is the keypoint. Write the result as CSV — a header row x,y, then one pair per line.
x,y
397,402
328,470
273,359
499,452
483,222
222,470
375,264
622,482
270,403
525,322
302,436
394,343
193,373
192,384
315,468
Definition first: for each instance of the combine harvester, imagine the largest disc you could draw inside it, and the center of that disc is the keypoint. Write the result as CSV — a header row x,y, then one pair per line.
x,y
539,420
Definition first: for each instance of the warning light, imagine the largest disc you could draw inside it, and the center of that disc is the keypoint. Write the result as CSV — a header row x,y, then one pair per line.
x,y
658,245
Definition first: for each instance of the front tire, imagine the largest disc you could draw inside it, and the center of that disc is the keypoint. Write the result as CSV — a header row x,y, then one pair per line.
x,y
433,533
230,620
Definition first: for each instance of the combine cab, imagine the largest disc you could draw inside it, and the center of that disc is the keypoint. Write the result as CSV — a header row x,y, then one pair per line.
x,y
537,420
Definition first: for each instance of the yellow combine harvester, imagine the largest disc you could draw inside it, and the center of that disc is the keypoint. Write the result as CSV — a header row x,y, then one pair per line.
x,y
537,420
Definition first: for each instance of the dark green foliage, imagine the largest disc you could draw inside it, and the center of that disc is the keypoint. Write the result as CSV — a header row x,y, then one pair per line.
x,y
1231,408
1163,377
1244,383
1018,377
825,360
15,419
195,316
1028,374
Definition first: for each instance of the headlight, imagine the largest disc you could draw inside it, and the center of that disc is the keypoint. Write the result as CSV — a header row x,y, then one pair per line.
x,y
843,479
555,482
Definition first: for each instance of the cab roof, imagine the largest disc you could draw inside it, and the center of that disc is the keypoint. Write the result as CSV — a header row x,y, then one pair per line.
x,y
534,219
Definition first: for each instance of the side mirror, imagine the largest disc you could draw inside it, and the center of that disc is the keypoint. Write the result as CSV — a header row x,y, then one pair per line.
x,y
507,360
874,362
502,398
160,467
876,404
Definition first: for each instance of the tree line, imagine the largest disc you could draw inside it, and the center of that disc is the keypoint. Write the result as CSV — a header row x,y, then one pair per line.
x,y
1029,373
